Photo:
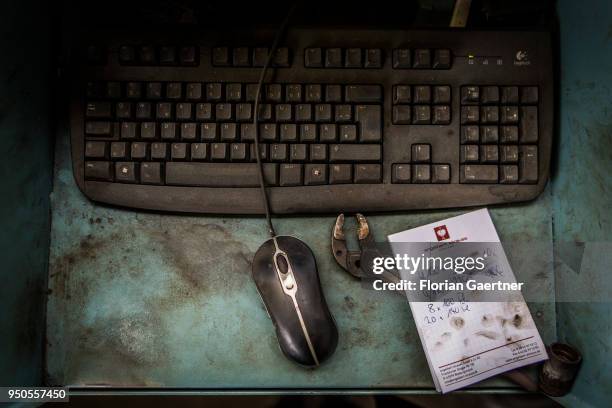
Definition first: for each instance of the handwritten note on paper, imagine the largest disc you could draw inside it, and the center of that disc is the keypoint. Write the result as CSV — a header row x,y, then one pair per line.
x,y
467,342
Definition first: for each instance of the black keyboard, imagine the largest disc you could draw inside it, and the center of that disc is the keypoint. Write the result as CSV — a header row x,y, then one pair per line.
x,y
350,120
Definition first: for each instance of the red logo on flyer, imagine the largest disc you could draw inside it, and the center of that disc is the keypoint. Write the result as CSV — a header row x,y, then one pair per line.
x,y
441,233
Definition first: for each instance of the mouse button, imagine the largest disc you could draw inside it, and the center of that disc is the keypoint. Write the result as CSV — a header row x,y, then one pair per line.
x,y
282,263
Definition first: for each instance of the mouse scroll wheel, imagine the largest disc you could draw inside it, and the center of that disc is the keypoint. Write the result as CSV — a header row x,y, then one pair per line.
x,y
283,263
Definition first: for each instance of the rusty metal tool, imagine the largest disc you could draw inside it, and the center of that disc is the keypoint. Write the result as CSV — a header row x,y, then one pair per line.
x,y
358,263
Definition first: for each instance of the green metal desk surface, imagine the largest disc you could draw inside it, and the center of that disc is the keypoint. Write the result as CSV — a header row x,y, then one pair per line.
x,y
147,299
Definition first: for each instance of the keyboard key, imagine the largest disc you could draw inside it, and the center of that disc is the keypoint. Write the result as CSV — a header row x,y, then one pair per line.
x,y
133,90
508,174
147,55
154,90
469,153
267,132
478,174
340,174
194,91
355,153
369,118
150,173
125,172
167,55
98,110
348,133
470,114
203,111
214,92
113,90
344,113
421,153
213,174
308,132
489,114
189,55
400,173
470,94
333,58
441,115
143,110
229,132
490,94
509,95
220,56
178,151
96,150
421,173
528,164
238,152
422,58
298,152
333,93
164,110
363,93
421,114
470,134
260,56
288,132
401,94
218,151
489,134
128,130
401,58
98,128
183,111
263,152
509,134
278,152
442,59
509,115
352,58
123,110
489,154
529,124
138,151
174,90
402,115
440,173
290,175
314,93
313,58
508,154
233,92
367,173
223,112
281,58
442,94
247,132
293,93
241,57
244,112
422,94
318,152
159,151
118,151
168,131
327,132
98,170
315,174
529,94
283,112
127,54
373,58
148,130
303,113
199,151
323,113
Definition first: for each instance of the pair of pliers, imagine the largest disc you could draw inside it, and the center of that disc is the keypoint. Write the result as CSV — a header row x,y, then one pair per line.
x,y
358,263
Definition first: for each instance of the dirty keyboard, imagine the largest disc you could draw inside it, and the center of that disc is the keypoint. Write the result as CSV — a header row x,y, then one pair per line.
x,y
360,120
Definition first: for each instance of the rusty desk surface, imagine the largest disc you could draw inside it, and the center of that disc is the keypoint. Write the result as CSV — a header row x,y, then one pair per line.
x,y
147,299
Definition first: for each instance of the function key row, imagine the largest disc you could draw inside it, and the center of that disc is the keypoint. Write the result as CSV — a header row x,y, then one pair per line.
x,y
249,57
421,58
235,92
505,95
186,55
231,174
343,57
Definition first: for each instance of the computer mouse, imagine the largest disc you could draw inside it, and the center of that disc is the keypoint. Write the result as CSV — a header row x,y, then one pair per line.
x,y
286,276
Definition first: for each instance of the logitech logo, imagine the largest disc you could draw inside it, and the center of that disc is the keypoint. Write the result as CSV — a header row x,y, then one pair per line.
x,y
441,232
521,58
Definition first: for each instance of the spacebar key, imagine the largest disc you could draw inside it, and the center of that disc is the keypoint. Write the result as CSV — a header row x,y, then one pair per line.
x,y
212,174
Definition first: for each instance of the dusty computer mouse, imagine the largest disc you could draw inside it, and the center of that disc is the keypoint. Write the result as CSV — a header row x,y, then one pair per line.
x,y
285,272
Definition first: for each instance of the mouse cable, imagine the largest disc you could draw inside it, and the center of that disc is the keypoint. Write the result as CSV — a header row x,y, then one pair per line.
x,y
262,181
